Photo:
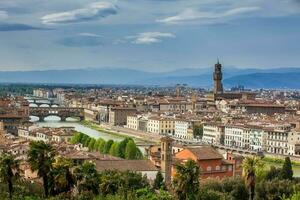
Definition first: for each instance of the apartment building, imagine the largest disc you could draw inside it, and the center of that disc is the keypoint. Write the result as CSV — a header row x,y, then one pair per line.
x,y
257,139
161,125
213,133
184,130
294,142
175,106
277,141
118,116
132,122
234,136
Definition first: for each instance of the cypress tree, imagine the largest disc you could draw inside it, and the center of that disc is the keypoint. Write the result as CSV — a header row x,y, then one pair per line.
x,y
107,146
122,147
131,150
287,170
91,144
114,149
159,181
101,146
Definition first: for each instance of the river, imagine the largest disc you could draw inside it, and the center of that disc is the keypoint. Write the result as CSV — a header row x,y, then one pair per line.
x,y
53,121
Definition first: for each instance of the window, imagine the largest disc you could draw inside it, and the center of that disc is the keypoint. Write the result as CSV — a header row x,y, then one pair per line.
x,y
217,168
208,168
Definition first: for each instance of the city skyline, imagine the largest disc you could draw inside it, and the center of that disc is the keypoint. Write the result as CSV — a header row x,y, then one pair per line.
x,y
148,35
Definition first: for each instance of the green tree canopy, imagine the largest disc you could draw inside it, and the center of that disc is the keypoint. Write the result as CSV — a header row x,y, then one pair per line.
x,y
114,149
62,177
9,170
131,151
107,146
251,166
186,180
40,159
87,177
159,181
287,170
91,144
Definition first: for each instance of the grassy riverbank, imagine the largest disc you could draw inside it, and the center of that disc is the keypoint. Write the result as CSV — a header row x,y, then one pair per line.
x,y
101,129
104,130
279,162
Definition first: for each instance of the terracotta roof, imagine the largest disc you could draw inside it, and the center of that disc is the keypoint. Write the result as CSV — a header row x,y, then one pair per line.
x,y
205,153
83,155
124,165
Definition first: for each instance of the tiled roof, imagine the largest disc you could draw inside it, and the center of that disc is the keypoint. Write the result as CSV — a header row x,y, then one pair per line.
x,y
124,165
205,153
83,155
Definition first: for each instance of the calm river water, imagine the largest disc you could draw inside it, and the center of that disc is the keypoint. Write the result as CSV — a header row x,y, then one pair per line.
x,y
53,121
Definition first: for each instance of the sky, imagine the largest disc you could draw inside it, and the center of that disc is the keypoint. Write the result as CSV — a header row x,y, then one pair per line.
x,y
148,35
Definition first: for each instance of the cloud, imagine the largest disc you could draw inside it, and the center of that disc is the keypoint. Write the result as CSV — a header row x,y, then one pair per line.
x,y
190,15
3,15
82,40
18,27
150,37
90,12
89,35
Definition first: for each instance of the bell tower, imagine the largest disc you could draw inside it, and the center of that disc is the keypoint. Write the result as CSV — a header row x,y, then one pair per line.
x,y
218,87
166,158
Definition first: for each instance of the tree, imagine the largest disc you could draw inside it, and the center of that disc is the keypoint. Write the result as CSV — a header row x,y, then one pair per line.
x,y
9,169
250,166
287,170
107,146
159,181
114,149
273,173
84,139
40,158
122,147
62,177
87,177
87,141
274,190
235,188
295,196
77,138
102,146
132,151
91,144
186,180
198,130
97,144
109,182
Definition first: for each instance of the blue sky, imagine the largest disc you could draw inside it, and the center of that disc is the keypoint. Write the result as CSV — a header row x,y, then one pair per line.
x,y
150,35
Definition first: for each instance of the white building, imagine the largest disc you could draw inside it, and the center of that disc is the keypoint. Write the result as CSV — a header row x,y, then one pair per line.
x,y
213,133
183,130
161,125
234,136
257,139
132,122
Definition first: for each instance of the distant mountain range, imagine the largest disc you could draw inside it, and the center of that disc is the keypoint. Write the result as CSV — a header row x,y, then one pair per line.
x,y
250,78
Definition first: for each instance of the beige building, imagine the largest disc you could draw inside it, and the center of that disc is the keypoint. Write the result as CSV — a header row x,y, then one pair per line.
x,y
213,133
184,130
132,122
118,116
161,125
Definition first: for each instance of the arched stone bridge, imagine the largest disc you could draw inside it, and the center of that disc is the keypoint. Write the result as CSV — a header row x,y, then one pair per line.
x,y
62,112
